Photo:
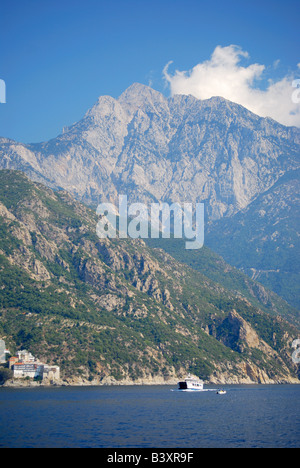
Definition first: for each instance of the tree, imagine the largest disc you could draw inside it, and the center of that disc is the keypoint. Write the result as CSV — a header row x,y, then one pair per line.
x,y
5,374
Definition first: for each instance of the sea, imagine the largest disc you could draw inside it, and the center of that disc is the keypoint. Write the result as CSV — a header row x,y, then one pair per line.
x,y
251,416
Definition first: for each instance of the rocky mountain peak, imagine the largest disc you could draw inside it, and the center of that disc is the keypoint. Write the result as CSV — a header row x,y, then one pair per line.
x,y
140,91
142,96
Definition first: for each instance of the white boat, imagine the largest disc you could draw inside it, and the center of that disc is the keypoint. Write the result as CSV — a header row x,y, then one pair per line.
x,y
221,392
191,384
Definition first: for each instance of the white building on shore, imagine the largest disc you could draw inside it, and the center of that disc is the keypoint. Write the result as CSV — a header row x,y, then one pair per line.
x,y
26,365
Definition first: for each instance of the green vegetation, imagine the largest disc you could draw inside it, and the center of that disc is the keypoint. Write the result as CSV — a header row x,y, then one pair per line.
x,y
5,374
215,268
119,308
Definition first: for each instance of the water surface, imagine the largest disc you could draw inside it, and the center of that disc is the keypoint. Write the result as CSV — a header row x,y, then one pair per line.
x,y
154,417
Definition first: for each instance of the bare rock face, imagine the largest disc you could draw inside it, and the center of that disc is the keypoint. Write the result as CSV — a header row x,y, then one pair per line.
x,y
240,334
153,148
242,330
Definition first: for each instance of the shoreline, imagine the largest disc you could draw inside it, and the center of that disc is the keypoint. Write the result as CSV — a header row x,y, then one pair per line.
x,y
139,383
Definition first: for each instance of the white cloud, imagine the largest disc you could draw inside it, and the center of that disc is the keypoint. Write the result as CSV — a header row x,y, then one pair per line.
x,y
223,75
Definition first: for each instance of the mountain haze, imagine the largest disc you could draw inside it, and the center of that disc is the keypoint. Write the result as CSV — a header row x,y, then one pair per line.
x,y
270,224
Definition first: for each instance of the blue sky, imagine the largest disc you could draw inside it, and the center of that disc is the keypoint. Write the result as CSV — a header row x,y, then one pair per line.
x,y
58,57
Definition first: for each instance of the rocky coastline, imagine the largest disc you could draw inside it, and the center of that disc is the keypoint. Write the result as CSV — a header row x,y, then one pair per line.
x,y
158,380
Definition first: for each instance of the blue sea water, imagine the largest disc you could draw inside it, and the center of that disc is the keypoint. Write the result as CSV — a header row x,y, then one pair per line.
x,y
149,417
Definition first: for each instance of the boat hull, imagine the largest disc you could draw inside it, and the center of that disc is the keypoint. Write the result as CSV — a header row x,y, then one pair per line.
x,y
193,390
190,387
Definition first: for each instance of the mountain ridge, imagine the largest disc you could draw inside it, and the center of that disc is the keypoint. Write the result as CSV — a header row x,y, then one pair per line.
x,y
108,138
154,148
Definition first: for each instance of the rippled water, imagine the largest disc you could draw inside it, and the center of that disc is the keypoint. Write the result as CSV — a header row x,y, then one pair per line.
x,y
155,417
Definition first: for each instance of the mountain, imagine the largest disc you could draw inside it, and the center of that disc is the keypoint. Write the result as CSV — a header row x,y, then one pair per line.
x,y
214,267
154,148
271,225
182,149
110,311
